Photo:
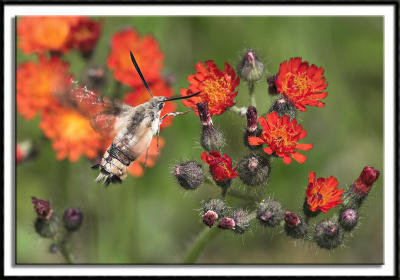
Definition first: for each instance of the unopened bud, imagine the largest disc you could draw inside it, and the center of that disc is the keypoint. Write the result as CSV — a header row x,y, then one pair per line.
x,y
209,218
242,221
348,219
254,170
369,175
270,213
272,90
328,234
250,67
72,219
211,138
226,223
47,228
213,210
251,129
363,184
189,174
295,226
42,208
283,107
215,205
291,219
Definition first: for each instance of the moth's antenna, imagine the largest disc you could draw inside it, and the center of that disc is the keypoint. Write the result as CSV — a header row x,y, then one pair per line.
x,y
140,73
183,97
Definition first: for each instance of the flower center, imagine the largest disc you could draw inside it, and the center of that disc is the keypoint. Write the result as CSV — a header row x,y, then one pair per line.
x,y
74,126
216,90
279,139
296,85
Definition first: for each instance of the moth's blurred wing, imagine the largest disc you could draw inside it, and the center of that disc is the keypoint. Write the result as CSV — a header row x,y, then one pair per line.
x,y
105,115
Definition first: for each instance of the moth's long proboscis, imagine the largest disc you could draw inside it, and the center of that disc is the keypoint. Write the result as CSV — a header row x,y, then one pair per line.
x,y
183,97
140,73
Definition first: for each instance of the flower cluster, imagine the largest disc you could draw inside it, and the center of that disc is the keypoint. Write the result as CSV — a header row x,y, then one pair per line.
x,y
47,225
38,34
44,86
274,135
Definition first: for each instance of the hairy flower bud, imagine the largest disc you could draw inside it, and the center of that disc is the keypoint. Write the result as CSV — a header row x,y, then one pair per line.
x,y
363,184
348,219
295,226
189,174
270,213
209,218
42,208
369,175
359,190
250,67
242,221
328,234
251,129
72,219
283,107
211,138
254,170
213,210
216,205
226,223
272,90
47,228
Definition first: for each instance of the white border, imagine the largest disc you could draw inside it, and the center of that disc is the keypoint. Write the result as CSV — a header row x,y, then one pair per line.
x,y
322,10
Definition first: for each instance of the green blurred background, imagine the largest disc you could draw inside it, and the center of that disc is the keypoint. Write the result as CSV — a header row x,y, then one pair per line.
x,y
151,219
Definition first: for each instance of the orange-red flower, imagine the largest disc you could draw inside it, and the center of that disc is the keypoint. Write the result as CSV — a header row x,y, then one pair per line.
x,y
146,52
158,88
301,84
136,168
36,82
84,34
44,33
220,166
217,87
71,133
281,135
323,194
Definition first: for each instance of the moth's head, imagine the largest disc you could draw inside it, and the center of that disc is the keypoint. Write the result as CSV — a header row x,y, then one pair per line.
x,y
157,102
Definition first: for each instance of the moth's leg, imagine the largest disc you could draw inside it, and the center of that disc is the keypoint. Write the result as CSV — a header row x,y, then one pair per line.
x,y
174,114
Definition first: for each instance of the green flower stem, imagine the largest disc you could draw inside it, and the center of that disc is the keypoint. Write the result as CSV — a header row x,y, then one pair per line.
x,y
251,93
66,254
203,239
238,194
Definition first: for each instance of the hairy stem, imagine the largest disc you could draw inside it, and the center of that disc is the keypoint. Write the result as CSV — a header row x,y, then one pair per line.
x,y
202,240
251,93
66,254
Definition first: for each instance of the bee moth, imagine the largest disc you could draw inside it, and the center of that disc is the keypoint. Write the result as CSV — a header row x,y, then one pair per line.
x,y
131,128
